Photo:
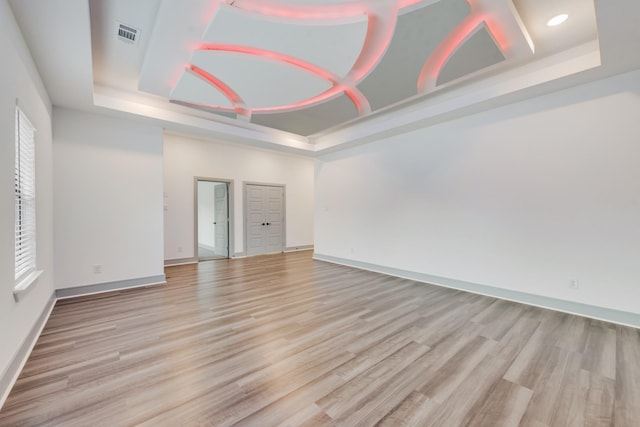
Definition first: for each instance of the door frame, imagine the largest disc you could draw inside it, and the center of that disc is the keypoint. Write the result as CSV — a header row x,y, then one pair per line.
x,y
230,210
244,211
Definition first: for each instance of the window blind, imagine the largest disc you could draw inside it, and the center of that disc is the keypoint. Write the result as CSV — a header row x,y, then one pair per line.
x,y
25,197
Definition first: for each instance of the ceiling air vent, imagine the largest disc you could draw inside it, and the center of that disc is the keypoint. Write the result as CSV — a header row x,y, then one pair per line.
x,y
127,33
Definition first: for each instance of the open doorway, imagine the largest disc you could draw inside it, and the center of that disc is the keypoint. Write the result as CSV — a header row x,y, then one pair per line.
x,y
212,219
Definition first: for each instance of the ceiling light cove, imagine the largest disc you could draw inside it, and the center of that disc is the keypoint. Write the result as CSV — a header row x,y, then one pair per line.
x,y
339,42
265,57
302,9
503,23
437,60
330,44
237,102
354,94
557,20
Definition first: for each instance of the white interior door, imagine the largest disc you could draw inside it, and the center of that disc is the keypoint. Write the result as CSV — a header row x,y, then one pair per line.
x,y
264,219
274,219
255,225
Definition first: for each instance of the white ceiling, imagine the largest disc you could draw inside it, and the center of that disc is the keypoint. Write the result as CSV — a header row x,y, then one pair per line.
x,y
311,76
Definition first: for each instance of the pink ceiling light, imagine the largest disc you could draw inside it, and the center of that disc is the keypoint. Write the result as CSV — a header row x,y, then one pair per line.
x,y
271,55
382,19
435,63
301,11
353,93
238,104
428,77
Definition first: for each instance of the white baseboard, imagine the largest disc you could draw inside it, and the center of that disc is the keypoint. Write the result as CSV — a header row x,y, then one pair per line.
x,y
180,261
599,313
287,249
299,248
111,286
9,377
11,374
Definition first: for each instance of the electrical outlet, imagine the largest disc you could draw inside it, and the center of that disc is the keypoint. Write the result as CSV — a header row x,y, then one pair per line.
x,y
97,269
574,284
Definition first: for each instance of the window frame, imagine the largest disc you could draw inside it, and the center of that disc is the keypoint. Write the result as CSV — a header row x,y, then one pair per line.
x,y
25,231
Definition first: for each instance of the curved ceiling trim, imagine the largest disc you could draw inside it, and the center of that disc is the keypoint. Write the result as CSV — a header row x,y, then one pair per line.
x,y
238,103
359,100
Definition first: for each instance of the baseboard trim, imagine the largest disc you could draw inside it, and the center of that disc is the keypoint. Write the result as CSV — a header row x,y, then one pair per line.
x,y
9,377
111,286
299,248
239,255
599,313
180,261
11,374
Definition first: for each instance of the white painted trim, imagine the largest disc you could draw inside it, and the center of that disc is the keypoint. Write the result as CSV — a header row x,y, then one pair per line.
x,y
599,313
9,377
110,286
173,118
230,215
21,288
453,100
179,261
299,248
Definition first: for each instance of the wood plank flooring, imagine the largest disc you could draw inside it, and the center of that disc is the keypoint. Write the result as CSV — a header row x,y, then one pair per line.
x,y
285,340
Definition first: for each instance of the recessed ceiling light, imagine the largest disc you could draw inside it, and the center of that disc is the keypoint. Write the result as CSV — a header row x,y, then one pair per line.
x,y
557,20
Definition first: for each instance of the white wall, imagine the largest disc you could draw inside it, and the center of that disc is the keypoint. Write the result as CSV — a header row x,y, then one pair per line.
x,y
19,80
186,158
525,197
108,199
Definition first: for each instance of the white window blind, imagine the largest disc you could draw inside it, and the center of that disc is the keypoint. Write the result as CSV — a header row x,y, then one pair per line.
x,y
25,197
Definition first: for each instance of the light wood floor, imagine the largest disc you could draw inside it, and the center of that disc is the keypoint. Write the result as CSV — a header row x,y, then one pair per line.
x,y
285,340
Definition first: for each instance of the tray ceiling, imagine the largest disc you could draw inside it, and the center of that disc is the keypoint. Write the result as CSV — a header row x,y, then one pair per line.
x,y
305,66
312,75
